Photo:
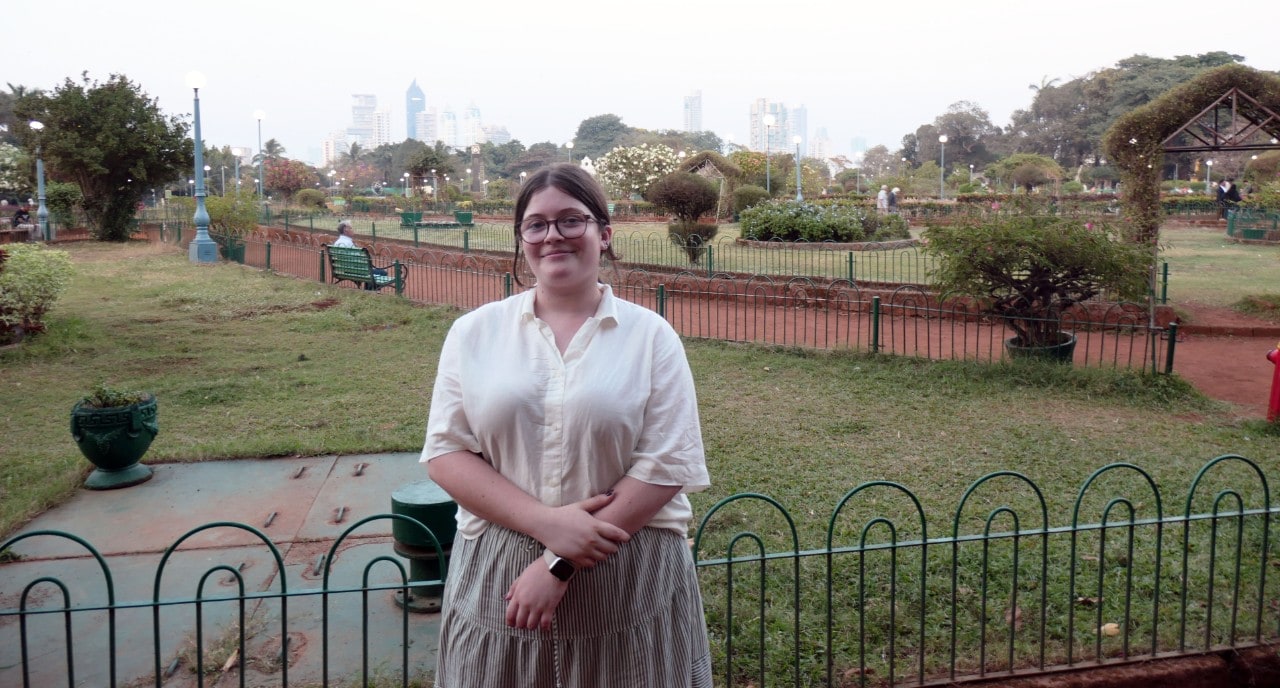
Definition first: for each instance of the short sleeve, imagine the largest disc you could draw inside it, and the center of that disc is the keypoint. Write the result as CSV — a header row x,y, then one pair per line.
x,y
448,429
670,450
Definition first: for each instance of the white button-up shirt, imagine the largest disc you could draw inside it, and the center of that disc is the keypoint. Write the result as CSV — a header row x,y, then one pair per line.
x,y
620,401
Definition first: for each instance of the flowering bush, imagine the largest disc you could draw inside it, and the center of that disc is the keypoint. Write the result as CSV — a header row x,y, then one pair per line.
x,y
31,280
626,171
804,221
1030,269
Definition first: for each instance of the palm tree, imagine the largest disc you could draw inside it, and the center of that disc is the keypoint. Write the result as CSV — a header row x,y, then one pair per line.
x,y
271,150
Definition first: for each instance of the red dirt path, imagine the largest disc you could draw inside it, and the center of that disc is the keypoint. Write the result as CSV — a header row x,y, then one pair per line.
x,y
1228,368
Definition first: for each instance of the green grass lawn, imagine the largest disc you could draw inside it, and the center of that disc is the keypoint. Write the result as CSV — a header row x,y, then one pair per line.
x,y
1206,267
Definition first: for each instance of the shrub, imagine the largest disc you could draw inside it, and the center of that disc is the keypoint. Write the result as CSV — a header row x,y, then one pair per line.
x,y
62,199
683,194
1030,269
31,280
1072,187
310,198
692,237
234,213
804,221
746,196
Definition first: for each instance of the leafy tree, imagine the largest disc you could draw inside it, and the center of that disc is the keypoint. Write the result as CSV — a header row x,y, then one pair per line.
x,y
877,161
1027,170
435,158
288,176
112,140
599,135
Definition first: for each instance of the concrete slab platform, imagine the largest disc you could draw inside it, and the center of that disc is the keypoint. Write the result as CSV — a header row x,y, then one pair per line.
x,y
131,528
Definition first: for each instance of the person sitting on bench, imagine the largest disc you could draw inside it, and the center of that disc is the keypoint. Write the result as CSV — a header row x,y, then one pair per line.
x,y
344,239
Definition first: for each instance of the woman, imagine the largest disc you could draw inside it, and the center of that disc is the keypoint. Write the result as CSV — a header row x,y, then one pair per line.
x,y
564,423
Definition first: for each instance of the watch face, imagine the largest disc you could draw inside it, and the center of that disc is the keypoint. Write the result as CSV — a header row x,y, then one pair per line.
x,y
562,569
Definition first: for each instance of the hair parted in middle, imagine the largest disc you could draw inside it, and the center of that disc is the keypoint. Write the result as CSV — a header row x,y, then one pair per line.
x,y
573,181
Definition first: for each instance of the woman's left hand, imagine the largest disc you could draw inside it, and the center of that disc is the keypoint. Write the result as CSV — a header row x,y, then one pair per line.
x,y
533,597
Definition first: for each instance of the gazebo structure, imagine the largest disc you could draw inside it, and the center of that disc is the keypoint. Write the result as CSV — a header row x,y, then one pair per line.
x,y
1230,108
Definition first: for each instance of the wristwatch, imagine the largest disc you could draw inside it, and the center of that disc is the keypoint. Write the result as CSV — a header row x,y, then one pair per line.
x,y
561,568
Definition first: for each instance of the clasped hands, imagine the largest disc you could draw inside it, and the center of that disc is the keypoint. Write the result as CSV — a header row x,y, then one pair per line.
x,y
574,533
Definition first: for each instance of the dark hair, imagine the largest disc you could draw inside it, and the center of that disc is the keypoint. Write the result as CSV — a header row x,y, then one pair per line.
x,y
571,180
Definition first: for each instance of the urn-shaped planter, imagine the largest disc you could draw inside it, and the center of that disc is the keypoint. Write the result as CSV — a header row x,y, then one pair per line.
x,y
1061,352
114,438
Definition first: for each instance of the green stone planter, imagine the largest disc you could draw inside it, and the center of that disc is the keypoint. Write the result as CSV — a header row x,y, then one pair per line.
x,y
114,439
463,217
1062,352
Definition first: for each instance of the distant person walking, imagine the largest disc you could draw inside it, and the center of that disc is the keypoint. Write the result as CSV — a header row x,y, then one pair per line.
x,y
882,199
893,200
1228,197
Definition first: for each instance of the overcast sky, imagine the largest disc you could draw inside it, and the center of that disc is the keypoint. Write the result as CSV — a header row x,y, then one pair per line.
x,y
869,70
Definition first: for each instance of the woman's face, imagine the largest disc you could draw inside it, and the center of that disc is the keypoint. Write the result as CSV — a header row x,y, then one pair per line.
x,y
560,263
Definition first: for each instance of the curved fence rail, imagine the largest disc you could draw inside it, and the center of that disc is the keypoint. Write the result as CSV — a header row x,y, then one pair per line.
x,y
1017,580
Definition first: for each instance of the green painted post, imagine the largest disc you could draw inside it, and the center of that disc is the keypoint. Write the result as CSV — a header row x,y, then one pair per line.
x,y
875,324
373,228
399,279
466,240
850,270
286,220
312,223
506,284
1173,343
268,255
711,261
662,300
322,266
1164,282
415,236
179,235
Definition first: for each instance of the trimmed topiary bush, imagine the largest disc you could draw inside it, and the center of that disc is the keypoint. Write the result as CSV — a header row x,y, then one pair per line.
x,y
310,198
746,196
683,194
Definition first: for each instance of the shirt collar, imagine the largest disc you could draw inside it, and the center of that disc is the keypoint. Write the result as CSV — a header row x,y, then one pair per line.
x,y
607,311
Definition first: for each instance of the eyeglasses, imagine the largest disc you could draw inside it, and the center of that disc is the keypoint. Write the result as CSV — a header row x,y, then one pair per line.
x,y
570,227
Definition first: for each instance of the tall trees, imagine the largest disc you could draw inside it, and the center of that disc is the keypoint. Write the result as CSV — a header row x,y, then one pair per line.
x,y
112,140
599,135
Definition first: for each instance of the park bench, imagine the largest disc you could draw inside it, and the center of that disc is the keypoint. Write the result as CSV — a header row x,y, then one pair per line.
x,y
356,265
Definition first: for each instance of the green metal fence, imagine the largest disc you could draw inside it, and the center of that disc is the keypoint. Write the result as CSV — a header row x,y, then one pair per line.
x,y
1021,581
1004,591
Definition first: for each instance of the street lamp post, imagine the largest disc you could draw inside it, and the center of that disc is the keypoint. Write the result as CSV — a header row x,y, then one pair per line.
x,y
260,115
569,145
970,173
796,140
202,248
768,122
333,183
942,172
405,177
1208,175
522,176
224,180
42,211
469,183
435,184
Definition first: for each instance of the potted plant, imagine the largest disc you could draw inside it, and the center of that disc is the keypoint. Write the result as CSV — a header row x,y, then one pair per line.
x,y
1028,270
113,429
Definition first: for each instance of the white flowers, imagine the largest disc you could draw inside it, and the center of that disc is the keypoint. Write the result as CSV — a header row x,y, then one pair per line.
x,y
632,169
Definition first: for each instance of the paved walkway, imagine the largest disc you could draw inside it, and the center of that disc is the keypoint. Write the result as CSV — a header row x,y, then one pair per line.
x,y
302,505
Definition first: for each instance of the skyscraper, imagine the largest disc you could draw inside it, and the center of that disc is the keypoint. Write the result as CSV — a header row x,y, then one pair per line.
x,y
415,101
381,128
362,109
799,120
693,111
777,133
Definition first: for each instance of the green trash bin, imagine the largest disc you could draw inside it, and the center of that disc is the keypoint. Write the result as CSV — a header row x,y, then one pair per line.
x,y
427,503
463,217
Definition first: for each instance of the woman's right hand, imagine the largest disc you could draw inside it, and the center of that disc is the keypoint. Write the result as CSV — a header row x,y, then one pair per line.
x,y
572,532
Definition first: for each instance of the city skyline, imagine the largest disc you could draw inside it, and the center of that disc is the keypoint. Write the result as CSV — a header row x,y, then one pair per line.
x,y
862,73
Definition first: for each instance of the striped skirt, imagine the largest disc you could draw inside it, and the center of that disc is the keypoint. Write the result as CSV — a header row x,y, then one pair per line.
x,y
633,621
